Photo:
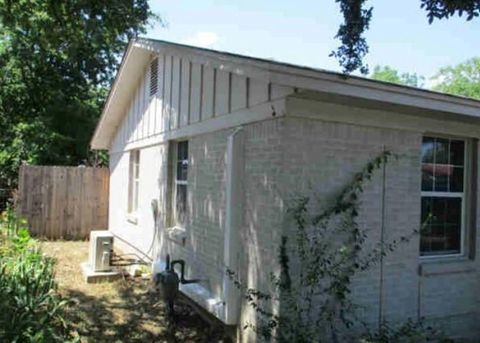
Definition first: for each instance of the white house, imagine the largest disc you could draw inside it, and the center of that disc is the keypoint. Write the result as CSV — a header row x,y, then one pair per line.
x,y
220,141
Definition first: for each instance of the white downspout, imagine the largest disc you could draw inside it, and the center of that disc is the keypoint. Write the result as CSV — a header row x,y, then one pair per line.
x,y
233,222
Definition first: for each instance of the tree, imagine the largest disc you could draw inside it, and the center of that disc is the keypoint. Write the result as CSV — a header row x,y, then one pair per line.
x,y
357,18
57,60
389,74
462,79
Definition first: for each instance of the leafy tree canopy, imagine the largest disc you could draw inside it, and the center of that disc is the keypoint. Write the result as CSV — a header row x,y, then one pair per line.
x,y
57,59
389,74
462,79
356,20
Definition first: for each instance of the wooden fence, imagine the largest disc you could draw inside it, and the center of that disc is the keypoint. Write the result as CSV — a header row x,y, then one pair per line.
x,y
63,202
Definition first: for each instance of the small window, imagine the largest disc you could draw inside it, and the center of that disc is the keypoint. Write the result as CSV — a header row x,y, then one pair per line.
x,y
133,181
180,184
444,172
153,77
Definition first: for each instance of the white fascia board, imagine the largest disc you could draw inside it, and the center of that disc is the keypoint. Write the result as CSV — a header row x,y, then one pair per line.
x,y
121,92
319,80
265,111
281,74
352,114
404,97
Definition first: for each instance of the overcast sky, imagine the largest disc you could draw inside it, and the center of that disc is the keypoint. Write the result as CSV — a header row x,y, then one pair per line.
x,y
302,32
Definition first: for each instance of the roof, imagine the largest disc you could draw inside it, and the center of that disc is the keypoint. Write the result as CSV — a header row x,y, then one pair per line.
x,y
140,50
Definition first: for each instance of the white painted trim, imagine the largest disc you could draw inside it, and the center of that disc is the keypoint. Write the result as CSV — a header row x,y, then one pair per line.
x,y
245,116
233,217
111,94
280,74
461,195
442,194
133,182
115,107
344,113
294,75
175,182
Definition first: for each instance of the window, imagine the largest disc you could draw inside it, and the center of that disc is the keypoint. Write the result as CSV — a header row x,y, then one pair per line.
x,y
133,180
443,196
153,77
181,183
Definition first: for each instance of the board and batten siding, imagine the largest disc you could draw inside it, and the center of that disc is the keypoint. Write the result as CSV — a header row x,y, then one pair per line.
x,y
188,93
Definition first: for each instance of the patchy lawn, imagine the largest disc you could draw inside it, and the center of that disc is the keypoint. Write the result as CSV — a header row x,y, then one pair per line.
x,y
126,310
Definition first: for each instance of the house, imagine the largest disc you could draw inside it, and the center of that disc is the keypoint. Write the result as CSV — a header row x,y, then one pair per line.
x,y
217,142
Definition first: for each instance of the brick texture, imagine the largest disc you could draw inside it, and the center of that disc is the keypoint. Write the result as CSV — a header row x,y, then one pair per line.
x,y
288,156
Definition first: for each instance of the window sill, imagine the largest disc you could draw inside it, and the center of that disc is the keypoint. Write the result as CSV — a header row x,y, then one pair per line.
x,y
132,218
176,234
432,266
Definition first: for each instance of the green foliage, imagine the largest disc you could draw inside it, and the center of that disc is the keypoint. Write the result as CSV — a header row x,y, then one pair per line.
x,y
409,332
357,18
57,60
30,308
311,301
439,9
389,74
462,79
29,142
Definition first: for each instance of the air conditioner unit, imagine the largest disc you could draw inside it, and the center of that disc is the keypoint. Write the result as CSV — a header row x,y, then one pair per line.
x,y
101,248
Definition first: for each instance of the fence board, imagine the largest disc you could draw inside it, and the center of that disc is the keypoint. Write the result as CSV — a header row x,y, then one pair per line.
x,y
63,202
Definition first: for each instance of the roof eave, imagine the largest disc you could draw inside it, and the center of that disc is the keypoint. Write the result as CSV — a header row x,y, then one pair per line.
x,y
302,78
101,138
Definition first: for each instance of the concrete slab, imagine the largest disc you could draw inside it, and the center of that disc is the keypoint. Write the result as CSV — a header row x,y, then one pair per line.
x,y
96,277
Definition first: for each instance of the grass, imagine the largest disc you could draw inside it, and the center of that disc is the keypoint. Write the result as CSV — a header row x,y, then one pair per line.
x,y
126,310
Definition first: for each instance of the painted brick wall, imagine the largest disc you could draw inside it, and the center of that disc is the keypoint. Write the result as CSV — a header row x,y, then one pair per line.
x,y
264,208
203,249
262,220
285,156
130,237
323,156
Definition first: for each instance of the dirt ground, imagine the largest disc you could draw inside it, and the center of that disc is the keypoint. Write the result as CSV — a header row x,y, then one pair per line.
x,y
127,310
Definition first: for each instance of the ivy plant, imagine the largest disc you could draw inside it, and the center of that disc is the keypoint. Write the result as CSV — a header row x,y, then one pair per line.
x,y
311,299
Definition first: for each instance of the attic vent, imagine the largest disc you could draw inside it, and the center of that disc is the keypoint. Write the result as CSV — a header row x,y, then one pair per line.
x,y
153,77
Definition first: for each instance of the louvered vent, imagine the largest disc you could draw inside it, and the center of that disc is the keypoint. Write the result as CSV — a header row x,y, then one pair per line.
x,y
153,77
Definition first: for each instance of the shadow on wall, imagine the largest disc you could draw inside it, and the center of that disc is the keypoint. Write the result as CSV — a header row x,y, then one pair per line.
x,y
206,206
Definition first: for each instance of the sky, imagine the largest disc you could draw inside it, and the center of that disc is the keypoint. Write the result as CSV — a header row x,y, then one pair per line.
x,y
302,32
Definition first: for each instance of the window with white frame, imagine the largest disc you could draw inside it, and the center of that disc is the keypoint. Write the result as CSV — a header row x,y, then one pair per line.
x,y
444,175
180,184
133,180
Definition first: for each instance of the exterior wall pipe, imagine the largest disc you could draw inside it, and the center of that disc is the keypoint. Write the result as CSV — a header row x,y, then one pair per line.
x,y
233,223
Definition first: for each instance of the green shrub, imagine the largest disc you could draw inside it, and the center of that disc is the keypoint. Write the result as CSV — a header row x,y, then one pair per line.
x,y
31,310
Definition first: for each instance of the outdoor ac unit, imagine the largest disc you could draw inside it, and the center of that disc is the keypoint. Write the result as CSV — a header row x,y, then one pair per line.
x,y
101,247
